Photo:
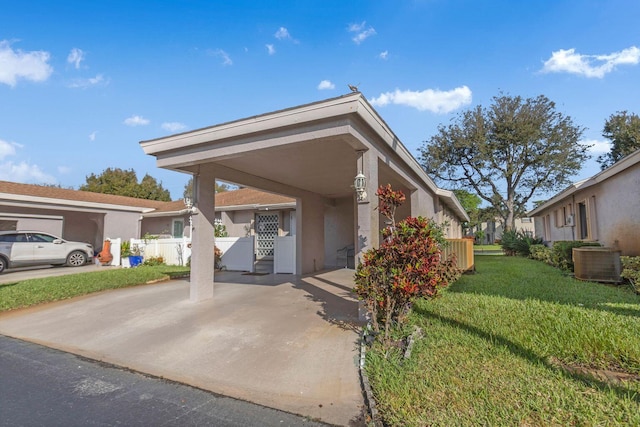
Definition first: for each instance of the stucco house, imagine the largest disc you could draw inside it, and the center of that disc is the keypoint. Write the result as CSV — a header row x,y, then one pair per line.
x,y
604,208
329,156
75,215
492,230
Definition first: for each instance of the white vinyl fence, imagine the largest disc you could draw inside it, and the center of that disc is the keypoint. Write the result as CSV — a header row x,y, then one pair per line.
x,y
174,251
237,252
284,259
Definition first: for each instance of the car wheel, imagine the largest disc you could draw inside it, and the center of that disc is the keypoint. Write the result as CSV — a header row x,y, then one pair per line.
x,y
76,259
3,264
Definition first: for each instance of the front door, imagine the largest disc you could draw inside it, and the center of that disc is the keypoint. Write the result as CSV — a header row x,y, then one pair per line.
x,y
267,226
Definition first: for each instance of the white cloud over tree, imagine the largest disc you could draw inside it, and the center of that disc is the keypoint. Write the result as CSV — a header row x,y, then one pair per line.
x,y
433,100
16,64
597,146
590,66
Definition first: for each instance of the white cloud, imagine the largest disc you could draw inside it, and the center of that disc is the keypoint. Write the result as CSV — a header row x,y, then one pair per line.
x,y
282,34
92,135
16,64
354,28
92,81
22,171
326,84
270,49
64,170
436,101
384,55
7,149
173,126
362,33
568,61
597,146
76,56
226,60
136,121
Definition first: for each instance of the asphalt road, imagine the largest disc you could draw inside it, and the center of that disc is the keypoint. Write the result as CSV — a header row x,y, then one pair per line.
x,y
40,386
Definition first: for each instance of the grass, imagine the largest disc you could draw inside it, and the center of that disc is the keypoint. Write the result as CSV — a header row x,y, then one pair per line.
x,y
483,248
518,343
37,291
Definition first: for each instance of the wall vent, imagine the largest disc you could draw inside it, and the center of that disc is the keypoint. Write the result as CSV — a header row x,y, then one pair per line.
x,y
597,264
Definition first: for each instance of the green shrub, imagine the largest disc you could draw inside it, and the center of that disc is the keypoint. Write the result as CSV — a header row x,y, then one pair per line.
x,y
406,266
540,253
562,253
518,242
631,271
154,260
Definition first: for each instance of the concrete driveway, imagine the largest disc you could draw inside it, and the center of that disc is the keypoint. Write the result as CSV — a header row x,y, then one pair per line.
x,y
283,341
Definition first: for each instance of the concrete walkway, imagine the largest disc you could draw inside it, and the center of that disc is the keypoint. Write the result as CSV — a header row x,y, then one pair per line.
x,y
282,341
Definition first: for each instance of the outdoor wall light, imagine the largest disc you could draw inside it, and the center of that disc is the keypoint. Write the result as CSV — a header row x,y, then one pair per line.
x,y
360,185
188,202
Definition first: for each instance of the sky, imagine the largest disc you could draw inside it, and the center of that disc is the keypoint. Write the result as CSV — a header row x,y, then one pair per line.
x,y
83,82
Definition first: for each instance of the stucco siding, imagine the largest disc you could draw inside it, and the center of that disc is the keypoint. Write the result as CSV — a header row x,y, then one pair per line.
x,y
125,225
338,230
610,214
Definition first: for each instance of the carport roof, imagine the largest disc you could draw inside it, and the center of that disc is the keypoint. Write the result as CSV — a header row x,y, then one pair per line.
x,y
308,148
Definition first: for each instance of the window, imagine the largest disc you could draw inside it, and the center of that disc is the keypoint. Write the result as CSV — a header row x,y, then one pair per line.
x,y
178,228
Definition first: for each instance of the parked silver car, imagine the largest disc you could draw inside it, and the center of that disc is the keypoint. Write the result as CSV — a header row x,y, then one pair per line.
x,y
25,248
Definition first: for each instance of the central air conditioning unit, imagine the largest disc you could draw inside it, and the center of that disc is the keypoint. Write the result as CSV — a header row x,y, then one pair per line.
x,y
597,264
569,221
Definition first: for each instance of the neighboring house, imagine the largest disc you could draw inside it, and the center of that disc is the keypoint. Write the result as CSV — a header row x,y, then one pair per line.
x,y
493,229
75,215
604,208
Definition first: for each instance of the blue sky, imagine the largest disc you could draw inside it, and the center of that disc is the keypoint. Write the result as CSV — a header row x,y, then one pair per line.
x,y
81,83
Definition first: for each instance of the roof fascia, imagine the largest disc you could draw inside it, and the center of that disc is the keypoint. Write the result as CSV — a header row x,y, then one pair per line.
x,y
622,165
79,205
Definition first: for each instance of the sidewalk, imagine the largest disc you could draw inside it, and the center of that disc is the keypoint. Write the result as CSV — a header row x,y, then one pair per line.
x,y
278,340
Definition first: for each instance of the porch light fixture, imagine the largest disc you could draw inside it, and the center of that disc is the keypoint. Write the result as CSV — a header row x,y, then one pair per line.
x,y
188,202
360,185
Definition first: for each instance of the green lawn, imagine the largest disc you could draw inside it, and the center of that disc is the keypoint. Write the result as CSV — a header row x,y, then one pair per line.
x,y
37,291
517,343
484,248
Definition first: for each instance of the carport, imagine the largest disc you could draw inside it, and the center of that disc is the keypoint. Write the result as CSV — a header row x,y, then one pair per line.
x,y
313,153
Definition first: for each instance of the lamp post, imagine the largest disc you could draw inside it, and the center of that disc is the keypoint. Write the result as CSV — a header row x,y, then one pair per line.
x,y
360,185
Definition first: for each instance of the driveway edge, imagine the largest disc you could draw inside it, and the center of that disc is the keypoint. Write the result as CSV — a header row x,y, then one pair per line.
x,y
369,401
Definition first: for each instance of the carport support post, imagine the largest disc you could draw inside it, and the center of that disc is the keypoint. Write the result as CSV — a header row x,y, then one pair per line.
x,y
203,239
310,234
367,228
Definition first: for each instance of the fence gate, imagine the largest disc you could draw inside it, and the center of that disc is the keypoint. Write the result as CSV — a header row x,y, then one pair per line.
x,y
266,231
